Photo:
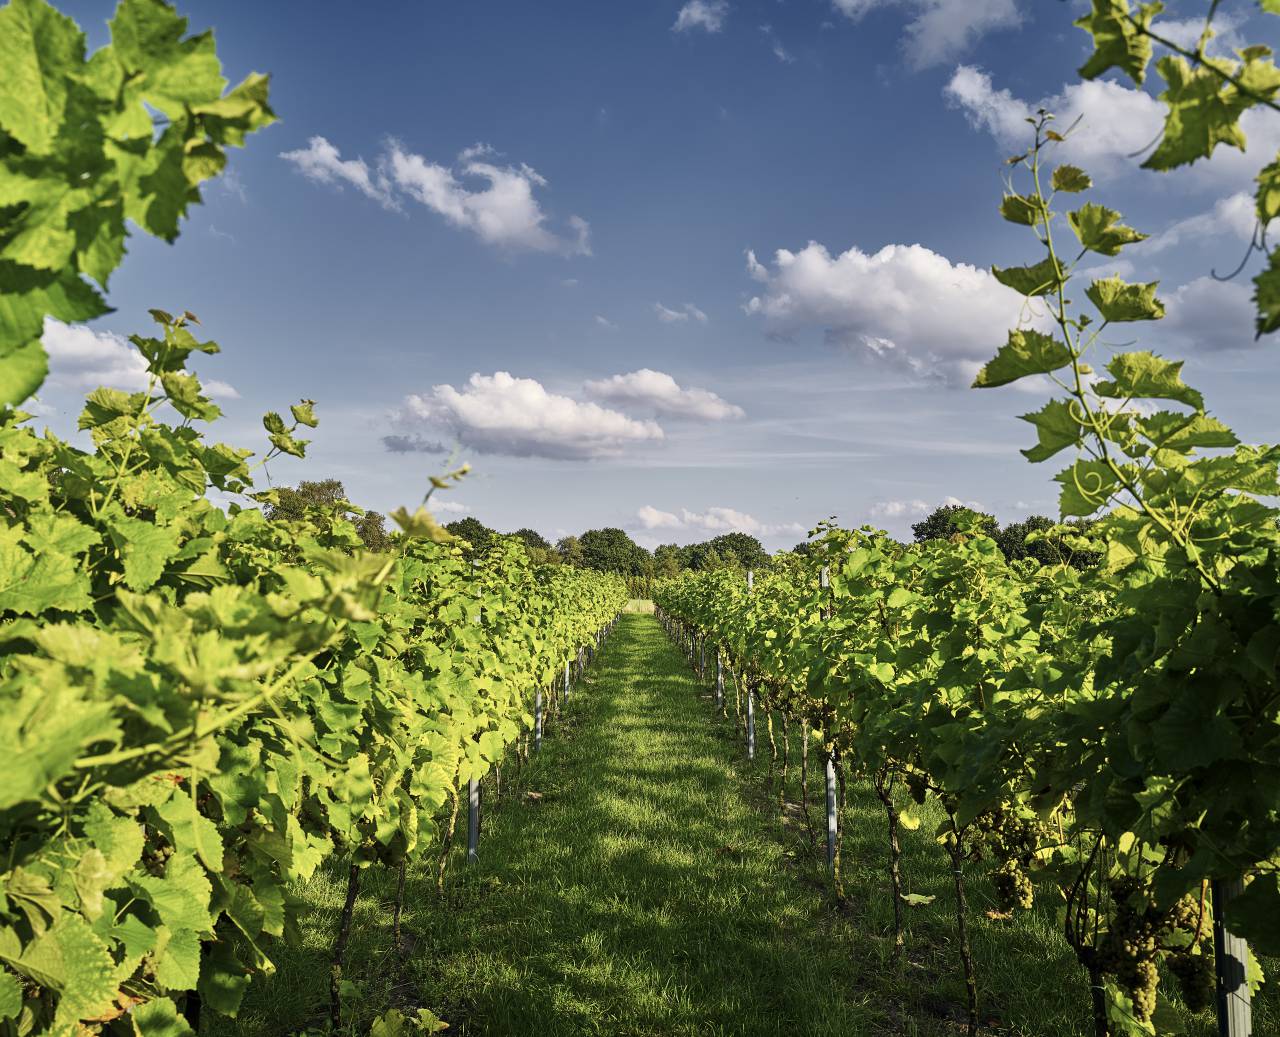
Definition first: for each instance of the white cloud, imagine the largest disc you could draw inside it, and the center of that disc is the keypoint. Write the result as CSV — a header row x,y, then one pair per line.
x,y
714,520
494,202
1186,32
569,282
1207,314
1233,218
899,508
321,161
411,443
503,213
779,51
448,507
939,30
687,311
708,15
906,305
80,359
501,414
605,322
914,509
660,391
1116,124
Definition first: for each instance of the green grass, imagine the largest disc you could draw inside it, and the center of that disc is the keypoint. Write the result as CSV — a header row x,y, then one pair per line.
x,y
640,878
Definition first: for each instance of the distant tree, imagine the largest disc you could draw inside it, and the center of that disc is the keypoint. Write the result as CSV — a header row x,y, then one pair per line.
x,y
570,550
533,540
611,550
293,503
1013,540
666,560
942,523
472,530
740,549
803,549
1049,550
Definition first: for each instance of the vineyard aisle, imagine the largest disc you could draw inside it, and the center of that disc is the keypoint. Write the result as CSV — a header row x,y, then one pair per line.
x,y
632,888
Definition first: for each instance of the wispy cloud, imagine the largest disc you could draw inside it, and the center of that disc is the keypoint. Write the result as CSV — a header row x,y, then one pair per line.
x,y
495,202
707,15
685,313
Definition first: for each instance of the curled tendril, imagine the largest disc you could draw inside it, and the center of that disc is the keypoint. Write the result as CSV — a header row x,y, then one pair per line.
x,y
1257,243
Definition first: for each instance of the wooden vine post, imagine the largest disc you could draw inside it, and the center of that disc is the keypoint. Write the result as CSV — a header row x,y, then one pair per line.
x,y
751,692
1231,965
473,821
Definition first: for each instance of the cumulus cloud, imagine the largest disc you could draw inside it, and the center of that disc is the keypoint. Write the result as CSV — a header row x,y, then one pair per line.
x,y
906,305
321,161
939,30
707,15
501,414
1207,314
713,520
448,507
683,314
81,359
495,202
648,388
899,509
1233,218
1115,123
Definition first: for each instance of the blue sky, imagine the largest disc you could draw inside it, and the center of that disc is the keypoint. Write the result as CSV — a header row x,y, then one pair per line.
x,y
547,236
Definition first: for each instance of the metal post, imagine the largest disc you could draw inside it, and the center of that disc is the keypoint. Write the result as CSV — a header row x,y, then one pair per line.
x,y
702,658
473,821
566,682
832,817
537,719
824,579
719,679
1231,962
751,721
751,580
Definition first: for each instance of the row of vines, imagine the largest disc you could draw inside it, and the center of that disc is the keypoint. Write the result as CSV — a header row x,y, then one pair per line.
x,y
199,706
1104,732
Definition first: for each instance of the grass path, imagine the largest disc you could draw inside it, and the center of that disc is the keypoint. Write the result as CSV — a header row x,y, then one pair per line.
x,y
638,878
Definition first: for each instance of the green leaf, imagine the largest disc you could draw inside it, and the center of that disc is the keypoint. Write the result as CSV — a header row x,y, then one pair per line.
x,y
1202,114
1266,295
1119,301
1098,230
22,371
1031,281
1020,209
1071,179
40,50
1086,486
164,69
273,423
145,549
1147,376
159,1018
1026,353
421,524
304,413
1057,428
1255,914
918,899
1117,41
10,996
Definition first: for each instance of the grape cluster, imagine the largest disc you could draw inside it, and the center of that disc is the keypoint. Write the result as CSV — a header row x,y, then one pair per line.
x,y
1141,934
1013,841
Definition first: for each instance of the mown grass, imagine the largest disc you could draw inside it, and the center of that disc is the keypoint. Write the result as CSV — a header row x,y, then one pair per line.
x,y
640,878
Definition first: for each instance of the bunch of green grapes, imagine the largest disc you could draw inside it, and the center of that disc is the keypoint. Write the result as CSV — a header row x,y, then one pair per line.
x,y
1191,959
1012,839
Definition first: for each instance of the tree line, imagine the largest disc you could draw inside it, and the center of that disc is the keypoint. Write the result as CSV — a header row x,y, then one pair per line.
x,y
611,549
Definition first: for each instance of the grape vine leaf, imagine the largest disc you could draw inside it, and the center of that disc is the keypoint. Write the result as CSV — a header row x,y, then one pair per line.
x,y
1026,352
1117,38
1119,301
1099,231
